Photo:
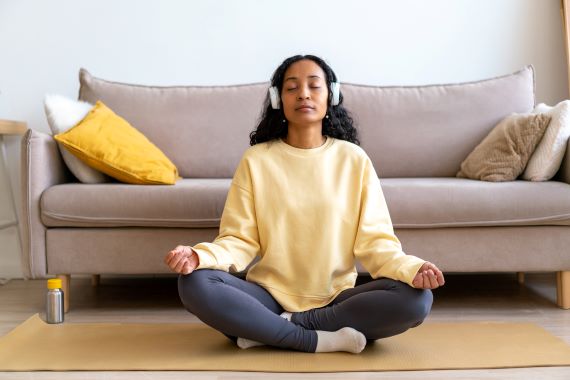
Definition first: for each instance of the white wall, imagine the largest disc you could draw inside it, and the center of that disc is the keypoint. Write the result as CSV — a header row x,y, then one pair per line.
x,y
44,43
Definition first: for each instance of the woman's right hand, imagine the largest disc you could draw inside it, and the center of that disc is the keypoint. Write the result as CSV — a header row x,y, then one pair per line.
x,y
182,259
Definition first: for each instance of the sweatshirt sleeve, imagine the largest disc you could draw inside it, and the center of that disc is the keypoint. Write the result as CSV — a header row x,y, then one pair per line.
x,y
237,243
376,246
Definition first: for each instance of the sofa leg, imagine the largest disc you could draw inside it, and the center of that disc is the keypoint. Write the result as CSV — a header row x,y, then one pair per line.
x,y
520,277
65,280
95,280
563,289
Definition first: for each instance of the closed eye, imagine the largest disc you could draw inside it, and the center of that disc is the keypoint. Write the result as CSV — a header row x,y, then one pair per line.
x,y
294,88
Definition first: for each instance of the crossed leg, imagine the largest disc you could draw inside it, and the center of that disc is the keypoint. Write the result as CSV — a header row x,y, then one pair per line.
x,y
239,308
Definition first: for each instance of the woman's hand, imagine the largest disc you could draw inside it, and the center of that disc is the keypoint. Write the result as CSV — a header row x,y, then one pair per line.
x,y
182,259
428,277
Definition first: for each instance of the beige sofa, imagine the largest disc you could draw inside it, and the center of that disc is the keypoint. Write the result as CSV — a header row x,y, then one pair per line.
x,y
416,137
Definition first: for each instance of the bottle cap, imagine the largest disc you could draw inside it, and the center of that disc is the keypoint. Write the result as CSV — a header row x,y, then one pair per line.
x,y
54,283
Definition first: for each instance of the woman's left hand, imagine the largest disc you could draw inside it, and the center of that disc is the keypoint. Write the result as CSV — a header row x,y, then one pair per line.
x,y
428,277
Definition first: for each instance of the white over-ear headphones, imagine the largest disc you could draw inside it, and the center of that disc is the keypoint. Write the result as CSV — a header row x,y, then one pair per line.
x,y
274,96
276,101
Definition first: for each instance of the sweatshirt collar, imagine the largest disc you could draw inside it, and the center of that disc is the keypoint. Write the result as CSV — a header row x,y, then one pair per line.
x,y
304,152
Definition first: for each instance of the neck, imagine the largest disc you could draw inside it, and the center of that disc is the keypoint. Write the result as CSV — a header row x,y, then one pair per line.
x,y
305,138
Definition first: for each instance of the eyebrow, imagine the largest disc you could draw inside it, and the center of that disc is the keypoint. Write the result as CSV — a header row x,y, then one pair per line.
x,y
310,76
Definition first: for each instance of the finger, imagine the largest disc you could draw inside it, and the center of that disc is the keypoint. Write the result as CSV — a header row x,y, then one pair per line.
x,y
169,256
180,265
419,281
427,283
433,267
184,252
440,279
175,255
179,249
432,279
187,268
438,274
425,279
176,259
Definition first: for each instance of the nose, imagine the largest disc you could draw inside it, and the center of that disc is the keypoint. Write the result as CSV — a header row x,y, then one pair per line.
x,y
304,93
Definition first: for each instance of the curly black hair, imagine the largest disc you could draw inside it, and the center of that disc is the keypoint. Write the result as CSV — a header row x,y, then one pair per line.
x,y
339,124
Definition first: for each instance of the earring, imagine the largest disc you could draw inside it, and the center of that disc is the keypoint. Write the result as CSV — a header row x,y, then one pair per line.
x,y
284,120
330,121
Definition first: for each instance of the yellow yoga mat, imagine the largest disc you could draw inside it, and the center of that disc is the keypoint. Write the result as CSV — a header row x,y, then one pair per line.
x,y
35,345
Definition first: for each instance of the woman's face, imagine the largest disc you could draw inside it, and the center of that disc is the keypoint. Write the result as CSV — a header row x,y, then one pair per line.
x,y
304,95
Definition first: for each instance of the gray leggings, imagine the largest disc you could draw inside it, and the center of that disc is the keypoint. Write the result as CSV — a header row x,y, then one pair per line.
x,y
238,308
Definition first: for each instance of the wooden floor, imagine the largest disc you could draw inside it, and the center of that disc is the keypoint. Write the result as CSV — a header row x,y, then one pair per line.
x,y
467,297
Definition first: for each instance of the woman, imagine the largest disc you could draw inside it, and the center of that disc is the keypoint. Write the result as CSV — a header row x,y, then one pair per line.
x,y
306,199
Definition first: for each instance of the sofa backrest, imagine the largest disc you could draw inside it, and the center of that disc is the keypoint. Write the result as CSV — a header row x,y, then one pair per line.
x,y
427,131
408,131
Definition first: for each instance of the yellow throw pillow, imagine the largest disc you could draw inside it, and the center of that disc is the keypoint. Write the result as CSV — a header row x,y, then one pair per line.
x,y
504,153
108,143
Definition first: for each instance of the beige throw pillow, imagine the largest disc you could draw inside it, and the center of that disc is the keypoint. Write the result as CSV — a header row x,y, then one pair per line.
x,y
546,159
504,153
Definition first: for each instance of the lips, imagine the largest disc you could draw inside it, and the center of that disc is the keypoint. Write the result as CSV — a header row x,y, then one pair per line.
x,y
305,107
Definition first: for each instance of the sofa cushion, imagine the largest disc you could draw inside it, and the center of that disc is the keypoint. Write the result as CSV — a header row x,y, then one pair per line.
x,y
413,203
188,203
459,202
504,153
408,131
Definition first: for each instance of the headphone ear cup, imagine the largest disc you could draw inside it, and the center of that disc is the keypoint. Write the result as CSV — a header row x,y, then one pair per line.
x,y
335,91
274,96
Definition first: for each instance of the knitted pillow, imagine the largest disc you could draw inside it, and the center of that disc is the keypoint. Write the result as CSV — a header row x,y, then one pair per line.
x,y
504,153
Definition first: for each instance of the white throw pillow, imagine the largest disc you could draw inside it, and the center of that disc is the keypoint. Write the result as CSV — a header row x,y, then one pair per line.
x,y
62,114
546,159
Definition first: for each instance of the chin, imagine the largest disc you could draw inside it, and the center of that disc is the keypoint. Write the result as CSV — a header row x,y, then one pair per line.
x,y
306,120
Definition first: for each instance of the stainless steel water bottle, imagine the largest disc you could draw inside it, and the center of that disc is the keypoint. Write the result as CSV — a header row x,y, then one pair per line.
x,y
54,301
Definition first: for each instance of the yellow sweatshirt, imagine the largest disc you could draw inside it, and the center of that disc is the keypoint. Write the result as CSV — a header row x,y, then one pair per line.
x,y
308,213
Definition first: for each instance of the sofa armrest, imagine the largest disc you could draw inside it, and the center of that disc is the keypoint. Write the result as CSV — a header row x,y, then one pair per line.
x,y
564,171
41,167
